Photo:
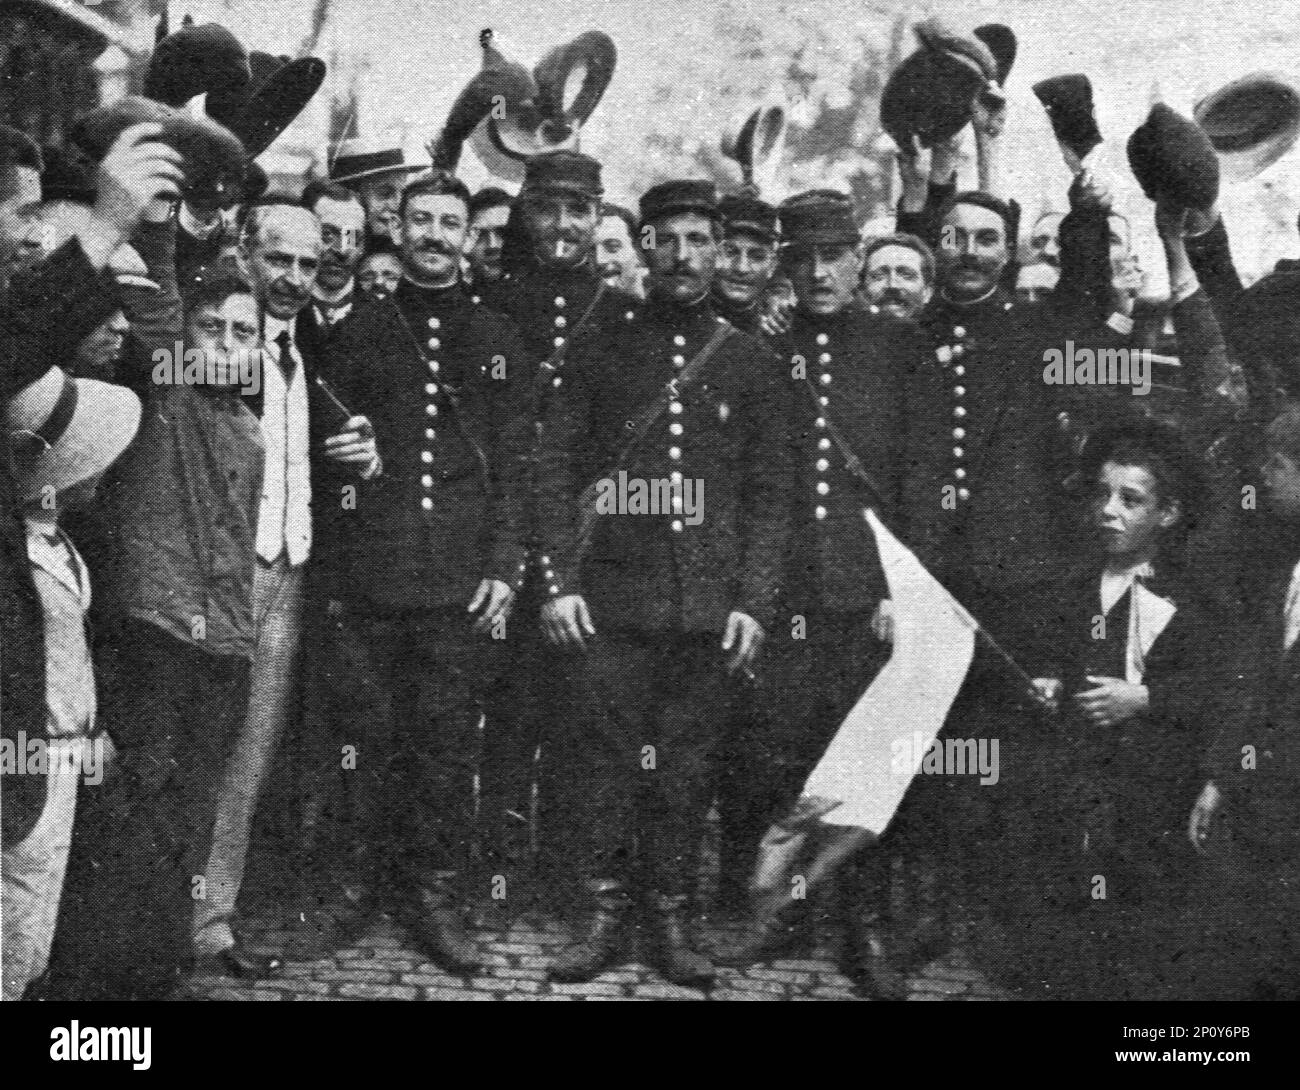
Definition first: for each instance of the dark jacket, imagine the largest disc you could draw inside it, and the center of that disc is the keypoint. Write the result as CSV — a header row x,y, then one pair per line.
x,y
1134,783
987,454
448,509
654,572
858,363
1258,719
47,313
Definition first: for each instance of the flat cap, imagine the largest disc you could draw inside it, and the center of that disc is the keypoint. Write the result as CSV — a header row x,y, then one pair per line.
x,y
675,197
818,217
744,213
563,171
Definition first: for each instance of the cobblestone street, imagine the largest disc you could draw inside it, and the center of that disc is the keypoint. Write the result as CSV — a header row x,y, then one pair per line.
x,y
381,966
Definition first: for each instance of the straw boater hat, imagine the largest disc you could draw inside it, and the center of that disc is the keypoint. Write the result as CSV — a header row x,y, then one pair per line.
x,y
369,157
63,431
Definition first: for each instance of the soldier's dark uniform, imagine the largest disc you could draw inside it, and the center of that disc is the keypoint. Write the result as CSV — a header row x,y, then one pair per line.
x,y
548,305
659,588
741,804
983,505
447,512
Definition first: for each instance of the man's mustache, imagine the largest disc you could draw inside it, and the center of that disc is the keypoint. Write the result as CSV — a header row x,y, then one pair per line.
x,y
436,248
893,295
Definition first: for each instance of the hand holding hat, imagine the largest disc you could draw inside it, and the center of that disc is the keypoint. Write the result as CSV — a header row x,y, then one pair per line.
x,y
211,157
1173,160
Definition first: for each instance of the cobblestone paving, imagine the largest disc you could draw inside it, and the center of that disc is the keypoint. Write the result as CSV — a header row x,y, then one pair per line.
x,y
381,965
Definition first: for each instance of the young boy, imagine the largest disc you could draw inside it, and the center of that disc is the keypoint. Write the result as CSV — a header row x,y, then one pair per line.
x,y
184,506
63,433
1105,789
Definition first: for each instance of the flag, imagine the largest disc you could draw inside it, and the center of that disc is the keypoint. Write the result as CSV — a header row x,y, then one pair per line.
x,y
902,710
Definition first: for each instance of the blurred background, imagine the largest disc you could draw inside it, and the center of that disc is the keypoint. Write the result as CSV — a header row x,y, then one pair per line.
x,y
686,68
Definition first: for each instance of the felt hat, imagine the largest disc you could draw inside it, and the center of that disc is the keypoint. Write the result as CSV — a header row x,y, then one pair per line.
x,y
930,94
212,156
196,60
278,92
1173,160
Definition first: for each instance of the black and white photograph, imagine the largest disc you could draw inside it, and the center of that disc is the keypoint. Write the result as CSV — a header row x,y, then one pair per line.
x,y
695,501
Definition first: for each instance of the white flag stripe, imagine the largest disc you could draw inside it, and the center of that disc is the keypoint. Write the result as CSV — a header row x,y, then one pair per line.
x,y
934,643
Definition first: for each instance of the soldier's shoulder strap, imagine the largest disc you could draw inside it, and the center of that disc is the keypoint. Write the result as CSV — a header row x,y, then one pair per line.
x,y
643,423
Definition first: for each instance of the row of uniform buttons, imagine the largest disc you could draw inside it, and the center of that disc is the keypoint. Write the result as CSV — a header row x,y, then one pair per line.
x,y
823,464
561,322
675,431
951,356
431,411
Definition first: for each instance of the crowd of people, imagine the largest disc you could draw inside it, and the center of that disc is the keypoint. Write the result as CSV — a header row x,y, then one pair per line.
x,y
322,469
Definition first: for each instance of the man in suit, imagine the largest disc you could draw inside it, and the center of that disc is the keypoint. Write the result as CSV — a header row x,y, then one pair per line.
x,y
429,560
303,435
667,601
342,227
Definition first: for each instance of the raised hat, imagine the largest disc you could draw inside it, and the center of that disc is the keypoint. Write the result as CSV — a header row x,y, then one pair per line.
x,y
1001,42
818,217
543,109
742,212
758,144
565,171
675,197
1068,102
62,430
930,94
278,92
1252,122
1173,160
196,60
368,157
213,156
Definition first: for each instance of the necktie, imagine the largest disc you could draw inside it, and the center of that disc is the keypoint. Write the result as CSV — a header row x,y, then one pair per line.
x,y
285,343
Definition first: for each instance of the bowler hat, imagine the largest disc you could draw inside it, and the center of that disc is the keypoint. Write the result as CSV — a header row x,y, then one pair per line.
x,y
819,217
1068,102
1173,160
1252,122
194,61
1001,42
63,430
676,197
930,94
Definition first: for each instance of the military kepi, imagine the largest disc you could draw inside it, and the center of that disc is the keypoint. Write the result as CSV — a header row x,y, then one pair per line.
x,y
819,217
676,197
745,214
564,172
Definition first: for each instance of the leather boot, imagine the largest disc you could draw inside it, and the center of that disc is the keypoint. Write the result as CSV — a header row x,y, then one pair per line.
x,y
678,961
867,956
437,928
602,943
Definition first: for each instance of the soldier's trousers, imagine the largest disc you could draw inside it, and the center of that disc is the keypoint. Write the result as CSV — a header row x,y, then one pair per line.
x,y
637,760
422,675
